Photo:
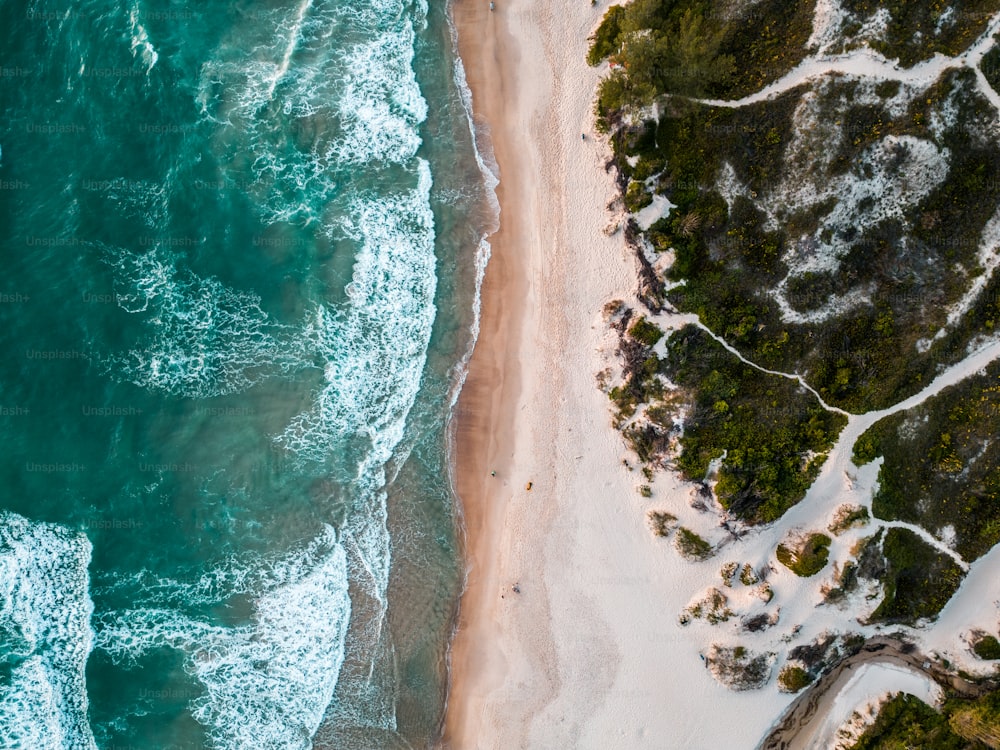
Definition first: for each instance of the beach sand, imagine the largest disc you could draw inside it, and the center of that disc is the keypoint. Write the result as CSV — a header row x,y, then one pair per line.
x,y
589,653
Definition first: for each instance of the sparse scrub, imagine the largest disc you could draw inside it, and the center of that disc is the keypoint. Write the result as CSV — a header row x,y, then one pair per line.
x,y
661,522
848,517
738,668
691,545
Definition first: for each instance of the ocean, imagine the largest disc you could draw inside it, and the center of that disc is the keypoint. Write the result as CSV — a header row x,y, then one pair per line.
x,y
241,247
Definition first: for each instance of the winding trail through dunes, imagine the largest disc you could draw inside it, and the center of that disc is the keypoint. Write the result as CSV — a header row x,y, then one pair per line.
x,y
803,723
866,63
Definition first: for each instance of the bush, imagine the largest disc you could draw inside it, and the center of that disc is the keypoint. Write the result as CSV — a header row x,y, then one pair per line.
x,y
904,722
806,557
987,647
645,332
919,580
792,679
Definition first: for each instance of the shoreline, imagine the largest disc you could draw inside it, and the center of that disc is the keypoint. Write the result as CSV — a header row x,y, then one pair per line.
x,y
482,418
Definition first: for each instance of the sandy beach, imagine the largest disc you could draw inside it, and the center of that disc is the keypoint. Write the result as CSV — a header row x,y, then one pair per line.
x,y
589,653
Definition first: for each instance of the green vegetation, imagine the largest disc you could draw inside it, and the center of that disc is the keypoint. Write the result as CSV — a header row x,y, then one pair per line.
x,y
686,48
942,463
748,576
848,517
990,65
907,722
792,679
738,668
920,28
691,545
645,332
661,522
728,254
960,724
805,557
976,721
713,608
987,647
919,580
766,426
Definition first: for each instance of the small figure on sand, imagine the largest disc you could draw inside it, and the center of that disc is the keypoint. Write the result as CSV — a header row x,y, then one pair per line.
x,y
493,5
528,486
583,136
493,473
516,588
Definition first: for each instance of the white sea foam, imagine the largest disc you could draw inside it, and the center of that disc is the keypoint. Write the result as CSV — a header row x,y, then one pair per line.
x,y
359,103
204,339
490,170
375,350
267,683
141,46
45,635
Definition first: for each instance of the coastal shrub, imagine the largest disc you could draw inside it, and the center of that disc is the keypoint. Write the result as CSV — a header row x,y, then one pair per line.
x,y
865,358
646,332
976,721
713,608
917,29
691,545
738,668
792,679
845,581
637,197
805,557
774,436
904,722
728,572
918,581
748,576
605,39
941,465
987,647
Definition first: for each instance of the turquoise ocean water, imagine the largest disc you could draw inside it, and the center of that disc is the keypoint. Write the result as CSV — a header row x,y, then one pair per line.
x,y
240,246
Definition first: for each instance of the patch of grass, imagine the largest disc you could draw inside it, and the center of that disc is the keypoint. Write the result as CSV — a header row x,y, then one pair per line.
x,y
805,557
987,647
691,545
919,580
792,679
